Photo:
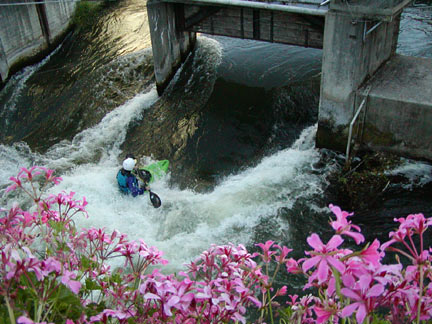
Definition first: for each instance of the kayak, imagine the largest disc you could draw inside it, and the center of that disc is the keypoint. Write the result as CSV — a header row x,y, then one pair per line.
x,y
154,171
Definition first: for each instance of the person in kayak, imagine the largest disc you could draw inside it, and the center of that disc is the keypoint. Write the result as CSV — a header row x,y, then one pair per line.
x,y
127,181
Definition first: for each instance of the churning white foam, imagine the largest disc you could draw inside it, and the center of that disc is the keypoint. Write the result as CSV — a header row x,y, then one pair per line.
x,y
187,222
417,173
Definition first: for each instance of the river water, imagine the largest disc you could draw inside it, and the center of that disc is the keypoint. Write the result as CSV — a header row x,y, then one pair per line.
x,y
237,125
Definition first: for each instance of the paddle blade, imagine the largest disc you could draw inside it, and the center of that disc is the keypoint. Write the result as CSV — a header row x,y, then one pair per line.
x,y
155,200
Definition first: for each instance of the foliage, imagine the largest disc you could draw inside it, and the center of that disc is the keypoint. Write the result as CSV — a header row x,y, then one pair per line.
x,y
365,180
51,272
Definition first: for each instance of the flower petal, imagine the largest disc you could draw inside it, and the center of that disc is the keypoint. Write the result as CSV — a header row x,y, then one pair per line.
x,y
361,313
339,266
350,294
309,263
348,310
334,242
315,242
375,290
323,270
151,296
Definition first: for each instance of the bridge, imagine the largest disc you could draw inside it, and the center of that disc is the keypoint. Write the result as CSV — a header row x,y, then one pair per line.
x,y
362,105
174,24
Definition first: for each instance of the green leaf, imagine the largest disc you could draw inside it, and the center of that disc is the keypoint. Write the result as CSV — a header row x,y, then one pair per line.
x,y
65,305
92,285
86,262
93,309
116,278
56,226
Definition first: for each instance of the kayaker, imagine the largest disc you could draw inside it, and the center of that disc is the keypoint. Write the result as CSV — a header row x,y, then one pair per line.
x,y
127,181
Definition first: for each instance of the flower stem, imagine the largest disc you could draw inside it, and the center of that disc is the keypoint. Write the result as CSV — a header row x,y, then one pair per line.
x,y
270,306
421,294
10,310
336,274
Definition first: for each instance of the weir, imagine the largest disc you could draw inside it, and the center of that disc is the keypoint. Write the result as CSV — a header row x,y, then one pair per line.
x,y
357,111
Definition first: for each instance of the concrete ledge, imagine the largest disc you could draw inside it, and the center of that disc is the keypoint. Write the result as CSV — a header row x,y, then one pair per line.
x,y
399,108
384,10
404,79
298,8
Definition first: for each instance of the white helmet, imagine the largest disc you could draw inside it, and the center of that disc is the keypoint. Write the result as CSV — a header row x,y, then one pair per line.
x,y
129,164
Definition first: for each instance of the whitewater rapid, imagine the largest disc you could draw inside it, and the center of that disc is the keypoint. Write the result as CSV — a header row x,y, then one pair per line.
x,y
188,222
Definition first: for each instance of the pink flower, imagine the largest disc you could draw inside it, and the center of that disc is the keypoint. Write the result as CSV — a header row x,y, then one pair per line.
x,y
49,176
322,314
25,320
28,218
416,222
73,285
15,185
51,265
109,313
266,255
363,294
281,258
293,266
371,254
398,236
28,174
281,291
325,311
413,224
343,227
303,308
323,256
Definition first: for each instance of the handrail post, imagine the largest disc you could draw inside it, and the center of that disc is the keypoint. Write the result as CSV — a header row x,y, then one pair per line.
x,y
351,126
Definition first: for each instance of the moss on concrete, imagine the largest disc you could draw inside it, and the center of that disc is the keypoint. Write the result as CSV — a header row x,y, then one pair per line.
x,y
372,135
330,137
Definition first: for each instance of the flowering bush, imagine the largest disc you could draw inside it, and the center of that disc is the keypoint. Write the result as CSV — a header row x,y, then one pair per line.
x,y
53,273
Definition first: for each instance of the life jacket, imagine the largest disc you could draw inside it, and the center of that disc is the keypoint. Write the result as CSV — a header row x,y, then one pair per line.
x,y
122,181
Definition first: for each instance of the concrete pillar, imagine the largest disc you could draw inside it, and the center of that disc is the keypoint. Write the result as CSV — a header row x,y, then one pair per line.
x,y
4,66
59,16
170,44
354,48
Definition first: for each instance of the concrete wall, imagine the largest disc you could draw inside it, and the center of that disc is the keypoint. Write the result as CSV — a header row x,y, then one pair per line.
x,y
349,58
170,45
28,30
59,16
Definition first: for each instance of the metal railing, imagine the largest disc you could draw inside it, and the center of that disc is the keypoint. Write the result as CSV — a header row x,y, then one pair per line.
x,y
351,126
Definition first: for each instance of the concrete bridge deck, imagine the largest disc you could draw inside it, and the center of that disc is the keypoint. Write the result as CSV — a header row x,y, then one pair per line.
x,y
307,7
